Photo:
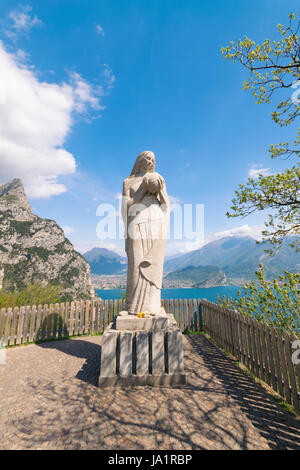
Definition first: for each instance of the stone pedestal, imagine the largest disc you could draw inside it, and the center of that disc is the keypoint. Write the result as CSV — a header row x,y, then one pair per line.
x,y
142,351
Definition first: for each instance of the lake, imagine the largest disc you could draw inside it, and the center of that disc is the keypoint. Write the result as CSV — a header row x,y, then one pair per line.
x,y
209,293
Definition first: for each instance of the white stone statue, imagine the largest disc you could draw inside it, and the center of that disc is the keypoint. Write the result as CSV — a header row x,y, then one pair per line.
x,y
145,212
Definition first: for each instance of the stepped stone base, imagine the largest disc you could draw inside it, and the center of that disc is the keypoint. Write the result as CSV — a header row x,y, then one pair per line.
x,y
165,380
132,322
150,354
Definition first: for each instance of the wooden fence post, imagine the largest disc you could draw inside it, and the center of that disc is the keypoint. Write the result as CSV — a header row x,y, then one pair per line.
x,y
201,322
195,315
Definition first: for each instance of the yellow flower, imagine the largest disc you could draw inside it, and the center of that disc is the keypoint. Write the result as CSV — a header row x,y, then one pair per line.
x,y
140,315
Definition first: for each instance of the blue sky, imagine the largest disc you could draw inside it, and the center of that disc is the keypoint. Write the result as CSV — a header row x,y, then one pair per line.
x,y
126,76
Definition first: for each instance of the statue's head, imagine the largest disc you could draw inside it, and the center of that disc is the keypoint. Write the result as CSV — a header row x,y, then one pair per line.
x,y
144,163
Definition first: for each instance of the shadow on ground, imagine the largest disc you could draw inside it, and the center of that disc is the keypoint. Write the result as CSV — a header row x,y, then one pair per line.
x,y
279,428
91,352
219,408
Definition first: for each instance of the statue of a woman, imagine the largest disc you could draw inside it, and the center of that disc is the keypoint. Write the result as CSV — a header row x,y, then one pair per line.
x,y
145,211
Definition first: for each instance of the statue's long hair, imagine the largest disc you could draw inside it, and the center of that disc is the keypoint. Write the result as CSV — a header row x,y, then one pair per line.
x,y
137,166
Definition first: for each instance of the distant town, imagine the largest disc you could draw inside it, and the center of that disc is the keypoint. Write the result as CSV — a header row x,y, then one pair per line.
x,y
113,281
109,281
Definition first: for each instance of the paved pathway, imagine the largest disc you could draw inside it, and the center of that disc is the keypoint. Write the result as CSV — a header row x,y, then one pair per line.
x,y
49,400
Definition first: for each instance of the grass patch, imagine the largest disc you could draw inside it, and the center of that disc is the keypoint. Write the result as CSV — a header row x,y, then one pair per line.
x,y
33,294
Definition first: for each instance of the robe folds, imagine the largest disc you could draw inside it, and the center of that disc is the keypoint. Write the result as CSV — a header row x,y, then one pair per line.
x,y
145,248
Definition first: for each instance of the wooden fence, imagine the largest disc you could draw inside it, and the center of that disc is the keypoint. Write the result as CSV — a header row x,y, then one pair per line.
x,y
22,325
263,349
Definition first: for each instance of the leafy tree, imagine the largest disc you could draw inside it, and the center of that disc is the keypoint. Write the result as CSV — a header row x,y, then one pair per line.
x,y
276,302
274,66
33,294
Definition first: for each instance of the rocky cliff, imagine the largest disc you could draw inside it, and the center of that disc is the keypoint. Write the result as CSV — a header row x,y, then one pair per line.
x,y
34,249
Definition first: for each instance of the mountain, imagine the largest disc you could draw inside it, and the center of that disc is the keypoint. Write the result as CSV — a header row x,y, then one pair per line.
x,y
198,276
238,257
103,261
35,249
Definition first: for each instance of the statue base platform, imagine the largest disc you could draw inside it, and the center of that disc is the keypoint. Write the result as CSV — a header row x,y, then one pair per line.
x,y
153,323
142,351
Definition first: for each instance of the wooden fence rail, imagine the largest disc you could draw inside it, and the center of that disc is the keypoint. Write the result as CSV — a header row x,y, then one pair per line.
x,y
22,325
263,349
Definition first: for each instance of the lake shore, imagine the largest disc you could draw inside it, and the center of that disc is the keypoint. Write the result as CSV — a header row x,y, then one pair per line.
x,y
209,293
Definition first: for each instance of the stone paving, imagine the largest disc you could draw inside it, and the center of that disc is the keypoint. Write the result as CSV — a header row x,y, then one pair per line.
x,y
50,400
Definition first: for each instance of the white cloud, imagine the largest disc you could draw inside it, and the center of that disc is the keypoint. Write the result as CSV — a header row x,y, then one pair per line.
x,y
242,231
109,77
21,55
255,170
85,94
99,30
36,118
21,21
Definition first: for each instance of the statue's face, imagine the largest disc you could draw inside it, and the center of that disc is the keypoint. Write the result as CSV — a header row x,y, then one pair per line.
x,y
149,163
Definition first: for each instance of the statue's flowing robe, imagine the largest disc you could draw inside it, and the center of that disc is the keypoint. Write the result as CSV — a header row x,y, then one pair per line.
x,y
145,247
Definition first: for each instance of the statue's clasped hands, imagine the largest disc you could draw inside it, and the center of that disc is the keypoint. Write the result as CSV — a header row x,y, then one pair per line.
x,y
152,183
